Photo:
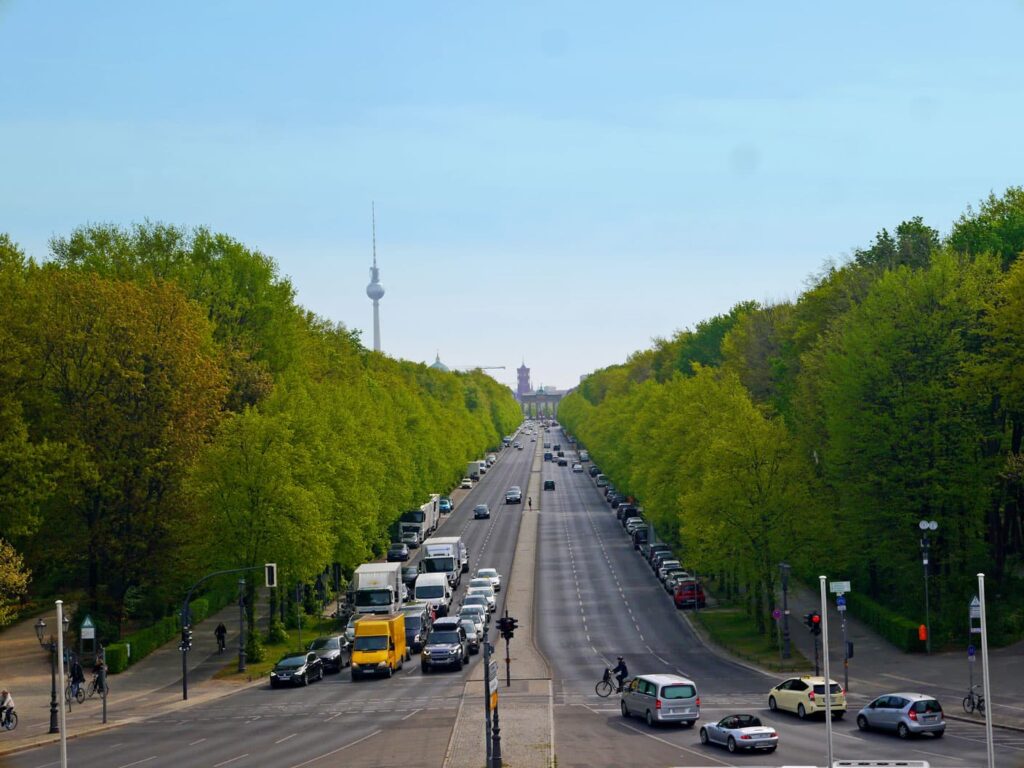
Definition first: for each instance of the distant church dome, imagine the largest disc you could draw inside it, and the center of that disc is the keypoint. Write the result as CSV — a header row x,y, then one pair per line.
x,y
437,365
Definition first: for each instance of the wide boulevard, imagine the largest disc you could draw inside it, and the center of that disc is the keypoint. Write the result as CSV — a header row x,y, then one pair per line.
x,y
595,599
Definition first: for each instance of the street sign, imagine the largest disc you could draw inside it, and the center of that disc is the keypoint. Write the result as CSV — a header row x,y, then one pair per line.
x,y
970,651
776,614
840,603
975,609
838,587
88,630
493,669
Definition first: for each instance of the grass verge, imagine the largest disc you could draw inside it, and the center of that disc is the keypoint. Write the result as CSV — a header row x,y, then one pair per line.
x,y
272,653
736,632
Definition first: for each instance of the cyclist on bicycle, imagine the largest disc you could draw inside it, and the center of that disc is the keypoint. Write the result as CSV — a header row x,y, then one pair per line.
x,y
6,705
621,672
77,675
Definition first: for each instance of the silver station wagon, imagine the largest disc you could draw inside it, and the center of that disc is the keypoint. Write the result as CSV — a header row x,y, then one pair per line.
x,y
661,699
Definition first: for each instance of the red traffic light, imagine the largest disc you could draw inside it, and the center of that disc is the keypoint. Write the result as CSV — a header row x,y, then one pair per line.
x,y
816,618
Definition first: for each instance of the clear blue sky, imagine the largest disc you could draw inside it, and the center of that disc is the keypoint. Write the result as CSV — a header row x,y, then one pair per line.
x,y
560,181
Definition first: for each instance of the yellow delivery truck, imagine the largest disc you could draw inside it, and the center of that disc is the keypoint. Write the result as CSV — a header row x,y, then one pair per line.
x,y
379,647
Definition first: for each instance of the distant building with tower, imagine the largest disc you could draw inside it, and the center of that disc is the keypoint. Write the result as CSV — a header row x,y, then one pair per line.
x,y
540,402
523,387
375,290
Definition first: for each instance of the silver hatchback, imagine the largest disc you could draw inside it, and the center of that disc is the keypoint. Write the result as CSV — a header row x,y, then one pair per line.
x,y
907,714
661,699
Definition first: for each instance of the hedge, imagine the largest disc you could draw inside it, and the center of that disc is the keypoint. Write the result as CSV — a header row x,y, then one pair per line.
x,y
117,657
897,629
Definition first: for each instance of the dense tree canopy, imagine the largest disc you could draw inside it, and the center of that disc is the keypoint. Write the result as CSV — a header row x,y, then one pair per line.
x,y
821,431
167,409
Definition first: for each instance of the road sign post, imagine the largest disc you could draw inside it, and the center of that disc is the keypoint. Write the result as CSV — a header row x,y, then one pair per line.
x,y
487,700
984,672
828,678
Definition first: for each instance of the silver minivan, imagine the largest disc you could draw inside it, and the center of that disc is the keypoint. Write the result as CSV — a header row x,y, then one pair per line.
x,y
907,714
662,699
602,481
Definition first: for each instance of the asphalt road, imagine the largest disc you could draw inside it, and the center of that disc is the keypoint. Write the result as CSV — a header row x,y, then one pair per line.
x,y
601,600
596,599
404,721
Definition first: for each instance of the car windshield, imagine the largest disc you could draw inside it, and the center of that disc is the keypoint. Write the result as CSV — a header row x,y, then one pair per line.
x,y
413,623
371,643
438,564
400,547
487,573
373,597
475,600
678,691
820,688
480,508
292,662
469,626
324,642
444,638
927,706
429,591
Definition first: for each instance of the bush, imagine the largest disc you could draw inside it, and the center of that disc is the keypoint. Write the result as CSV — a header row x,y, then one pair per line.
x,y
897,629
117,658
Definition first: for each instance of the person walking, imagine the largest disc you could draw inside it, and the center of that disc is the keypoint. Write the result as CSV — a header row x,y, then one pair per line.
x,y
221,632
529,502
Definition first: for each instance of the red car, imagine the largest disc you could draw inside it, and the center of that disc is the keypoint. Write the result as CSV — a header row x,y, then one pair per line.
x,y
689,593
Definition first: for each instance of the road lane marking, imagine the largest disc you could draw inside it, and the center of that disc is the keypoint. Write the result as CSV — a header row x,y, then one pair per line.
x,y
935,754
702,755
289,736
140,762
334,751
411,714
218,765
197,741
336,714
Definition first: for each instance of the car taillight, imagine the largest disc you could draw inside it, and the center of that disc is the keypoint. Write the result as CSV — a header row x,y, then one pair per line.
x,y
912,715
698,701
657,704
811,695
745,736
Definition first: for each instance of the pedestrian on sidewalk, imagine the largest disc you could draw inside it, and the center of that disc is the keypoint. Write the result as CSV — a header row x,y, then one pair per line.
x,y
221,632
6,705
529,502
77,675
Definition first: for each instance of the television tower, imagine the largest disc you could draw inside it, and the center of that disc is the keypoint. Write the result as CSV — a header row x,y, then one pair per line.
x,y
375,290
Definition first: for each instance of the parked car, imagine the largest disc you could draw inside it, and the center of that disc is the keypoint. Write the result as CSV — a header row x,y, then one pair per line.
x,y
633,523
411,539
594,470
674,577
805,695
661,699
654,549
688,593
444,505
466,483
666,566
350,628
736,732
334,651
905,714
625,511
445,646
297,669
398,552
481,512
549,485
492,574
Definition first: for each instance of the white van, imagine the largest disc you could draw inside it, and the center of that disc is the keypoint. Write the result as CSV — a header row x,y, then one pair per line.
x,y
602,481
434,590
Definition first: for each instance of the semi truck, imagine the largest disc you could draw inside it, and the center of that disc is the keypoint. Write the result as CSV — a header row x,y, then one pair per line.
x,y
378,588
423,520
447,555
473,470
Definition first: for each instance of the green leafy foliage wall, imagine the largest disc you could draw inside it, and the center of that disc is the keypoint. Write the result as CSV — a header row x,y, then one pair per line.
x,y
822,430
167,409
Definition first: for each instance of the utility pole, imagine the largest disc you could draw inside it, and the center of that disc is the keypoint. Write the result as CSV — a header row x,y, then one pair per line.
x,y
925,526
241,625
786,651
487,699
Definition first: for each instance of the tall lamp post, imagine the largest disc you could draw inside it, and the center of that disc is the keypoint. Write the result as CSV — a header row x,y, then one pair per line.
x,y
51,646
926,526
784,569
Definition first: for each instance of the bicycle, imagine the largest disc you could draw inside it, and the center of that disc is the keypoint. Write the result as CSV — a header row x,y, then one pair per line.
x,y
974,701
607,686
79,693
10,720
94,687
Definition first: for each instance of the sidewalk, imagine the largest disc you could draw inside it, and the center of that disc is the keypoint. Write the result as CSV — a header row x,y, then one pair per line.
x,y
878,667
150,687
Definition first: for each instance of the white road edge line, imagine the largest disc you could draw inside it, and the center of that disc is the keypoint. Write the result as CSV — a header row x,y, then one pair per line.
x,y
227,762
197,741
411,714
935,754
139,762
702,755
289,736
334,751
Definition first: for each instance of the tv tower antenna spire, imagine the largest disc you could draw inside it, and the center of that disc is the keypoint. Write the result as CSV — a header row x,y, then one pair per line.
x,y
375,291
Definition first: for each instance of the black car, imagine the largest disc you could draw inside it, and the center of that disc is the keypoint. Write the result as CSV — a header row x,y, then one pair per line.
x,y
417,625
409,574
398,552
445,646
549,485
594,471
563,462
481,512
297,669
334,651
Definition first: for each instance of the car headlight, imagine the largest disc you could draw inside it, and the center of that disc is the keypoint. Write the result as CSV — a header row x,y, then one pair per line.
x,y
381,664
426,651
355,665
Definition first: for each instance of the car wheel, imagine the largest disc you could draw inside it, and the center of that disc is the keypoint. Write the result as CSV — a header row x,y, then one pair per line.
x,y
801,712
305,680
902,731
938,734
624,709
424,668
838,715
273,684
704,736
731,744
388,672
354,676
862,722
649,718
770,750
772,705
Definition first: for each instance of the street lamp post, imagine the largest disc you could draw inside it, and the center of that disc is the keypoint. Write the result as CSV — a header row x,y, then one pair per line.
x,y
926,526
784,568
51,646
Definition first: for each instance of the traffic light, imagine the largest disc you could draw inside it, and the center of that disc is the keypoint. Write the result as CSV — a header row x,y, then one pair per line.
x,y
186,638
507,626
815,623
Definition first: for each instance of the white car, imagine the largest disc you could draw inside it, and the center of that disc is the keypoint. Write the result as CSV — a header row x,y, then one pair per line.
x,y
476,614
467,482
492,574
577,467
483,587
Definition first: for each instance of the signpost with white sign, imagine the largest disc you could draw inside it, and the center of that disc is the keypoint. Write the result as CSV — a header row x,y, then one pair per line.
x,y
839,589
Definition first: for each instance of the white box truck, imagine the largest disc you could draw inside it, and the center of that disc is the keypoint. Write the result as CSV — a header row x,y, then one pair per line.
x,y
447,555
378,588
423,520
473,470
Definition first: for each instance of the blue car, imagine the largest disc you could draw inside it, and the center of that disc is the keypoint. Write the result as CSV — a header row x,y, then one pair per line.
x,y
444,505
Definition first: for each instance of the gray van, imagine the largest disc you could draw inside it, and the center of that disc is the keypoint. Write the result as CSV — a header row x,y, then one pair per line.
x,y
602,481
662,699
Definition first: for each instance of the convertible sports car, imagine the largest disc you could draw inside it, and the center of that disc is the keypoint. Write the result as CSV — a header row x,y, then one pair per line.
x,y
735,732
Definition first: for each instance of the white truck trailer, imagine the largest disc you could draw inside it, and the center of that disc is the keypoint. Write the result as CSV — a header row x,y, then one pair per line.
x,y
423,520
378,588
445,554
